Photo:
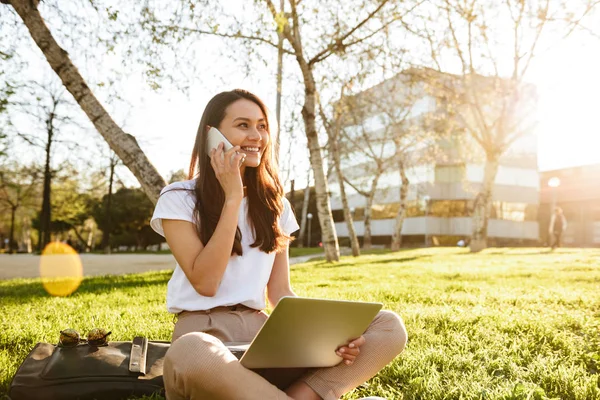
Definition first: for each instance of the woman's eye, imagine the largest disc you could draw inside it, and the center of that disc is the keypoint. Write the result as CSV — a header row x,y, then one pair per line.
x,y
243,125
262,126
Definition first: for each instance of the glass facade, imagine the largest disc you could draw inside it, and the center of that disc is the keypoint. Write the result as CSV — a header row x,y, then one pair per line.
x,y
446,209
514,211
451,208
450,173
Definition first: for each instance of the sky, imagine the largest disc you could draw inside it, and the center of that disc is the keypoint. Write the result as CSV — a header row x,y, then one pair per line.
x,y
568,82
566,76
568,130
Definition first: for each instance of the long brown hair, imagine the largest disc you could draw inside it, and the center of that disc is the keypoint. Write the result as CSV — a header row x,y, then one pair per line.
x,y
264,190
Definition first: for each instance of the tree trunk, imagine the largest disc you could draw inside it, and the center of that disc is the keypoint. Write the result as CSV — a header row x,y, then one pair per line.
x,y
279,80
367,225
11,238
370,198
333,134
328,234
483,205
106,235
46,214
304,211
347,214
80,238
90,238
26,235
123,144
292,194
397,235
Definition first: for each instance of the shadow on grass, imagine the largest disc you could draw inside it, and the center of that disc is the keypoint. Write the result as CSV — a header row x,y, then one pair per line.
x,y
400,260
501,253
17,292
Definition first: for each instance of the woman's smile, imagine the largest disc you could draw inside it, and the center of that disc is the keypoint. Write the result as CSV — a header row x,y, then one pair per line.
x,y
251,149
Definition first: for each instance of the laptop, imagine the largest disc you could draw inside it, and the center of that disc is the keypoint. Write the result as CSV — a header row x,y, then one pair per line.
x,y
304,333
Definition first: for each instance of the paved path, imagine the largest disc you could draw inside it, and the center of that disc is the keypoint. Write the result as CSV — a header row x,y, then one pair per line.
x,y
27,265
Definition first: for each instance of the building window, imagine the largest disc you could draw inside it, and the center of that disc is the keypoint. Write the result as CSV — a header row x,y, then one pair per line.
x,y
450,208
445,209
338,215
358,215
514,211
450,173
385,211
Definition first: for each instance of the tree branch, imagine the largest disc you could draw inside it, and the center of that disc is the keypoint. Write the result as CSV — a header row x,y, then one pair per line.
x,y
238,35
30,140
577,23
455,39
315,59
338,43
293,38
359,191
535,41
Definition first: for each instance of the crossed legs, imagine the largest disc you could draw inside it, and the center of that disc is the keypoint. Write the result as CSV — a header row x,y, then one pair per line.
x,y
199,366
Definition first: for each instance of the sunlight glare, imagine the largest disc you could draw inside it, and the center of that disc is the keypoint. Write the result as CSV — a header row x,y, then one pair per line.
x,y
60,269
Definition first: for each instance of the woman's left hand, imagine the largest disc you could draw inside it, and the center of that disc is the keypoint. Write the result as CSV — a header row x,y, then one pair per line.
x,y
351,350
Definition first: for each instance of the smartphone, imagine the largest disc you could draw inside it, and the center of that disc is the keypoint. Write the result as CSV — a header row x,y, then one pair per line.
x,y
213,139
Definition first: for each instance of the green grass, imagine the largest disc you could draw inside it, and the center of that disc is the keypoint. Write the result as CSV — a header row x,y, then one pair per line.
x,y
305,251
502,324
166,251
294,251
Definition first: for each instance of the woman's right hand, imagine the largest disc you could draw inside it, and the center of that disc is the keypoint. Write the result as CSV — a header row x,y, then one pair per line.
x,y
227,170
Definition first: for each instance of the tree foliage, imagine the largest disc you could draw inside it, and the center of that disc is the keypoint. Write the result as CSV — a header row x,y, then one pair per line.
x,y
19,194
131,211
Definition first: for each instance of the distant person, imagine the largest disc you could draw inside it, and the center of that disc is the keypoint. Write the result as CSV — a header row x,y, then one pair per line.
x,y
558,224
229,229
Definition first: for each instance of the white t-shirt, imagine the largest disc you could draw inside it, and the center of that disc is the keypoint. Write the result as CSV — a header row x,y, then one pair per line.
x,y
245,277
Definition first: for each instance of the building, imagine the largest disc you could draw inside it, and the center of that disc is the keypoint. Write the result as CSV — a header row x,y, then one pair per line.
x,y
443,187
578,194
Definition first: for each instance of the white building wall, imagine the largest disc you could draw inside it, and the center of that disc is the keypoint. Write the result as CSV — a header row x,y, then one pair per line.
x,y
524,177
510,176
460,226
438,191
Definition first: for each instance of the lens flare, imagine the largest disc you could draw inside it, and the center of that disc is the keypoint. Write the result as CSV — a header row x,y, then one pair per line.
x,y
60,269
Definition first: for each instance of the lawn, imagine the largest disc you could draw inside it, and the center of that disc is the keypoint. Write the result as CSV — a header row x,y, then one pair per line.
x,y
502,324
294,251
305,251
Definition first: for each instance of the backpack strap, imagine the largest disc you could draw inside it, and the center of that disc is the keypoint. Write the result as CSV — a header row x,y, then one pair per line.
x,y
137,358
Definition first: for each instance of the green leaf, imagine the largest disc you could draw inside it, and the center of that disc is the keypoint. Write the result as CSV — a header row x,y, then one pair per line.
x,y
281,21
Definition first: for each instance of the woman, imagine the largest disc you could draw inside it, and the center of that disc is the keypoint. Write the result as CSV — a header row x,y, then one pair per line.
x,y
229,228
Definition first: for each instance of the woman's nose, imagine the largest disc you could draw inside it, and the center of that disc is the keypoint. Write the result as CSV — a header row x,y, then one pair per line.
x,y
254,134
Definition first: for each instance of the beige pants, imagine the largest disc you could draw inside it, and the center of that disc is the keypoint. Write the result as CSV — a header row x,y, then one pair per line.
x,y
199,366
